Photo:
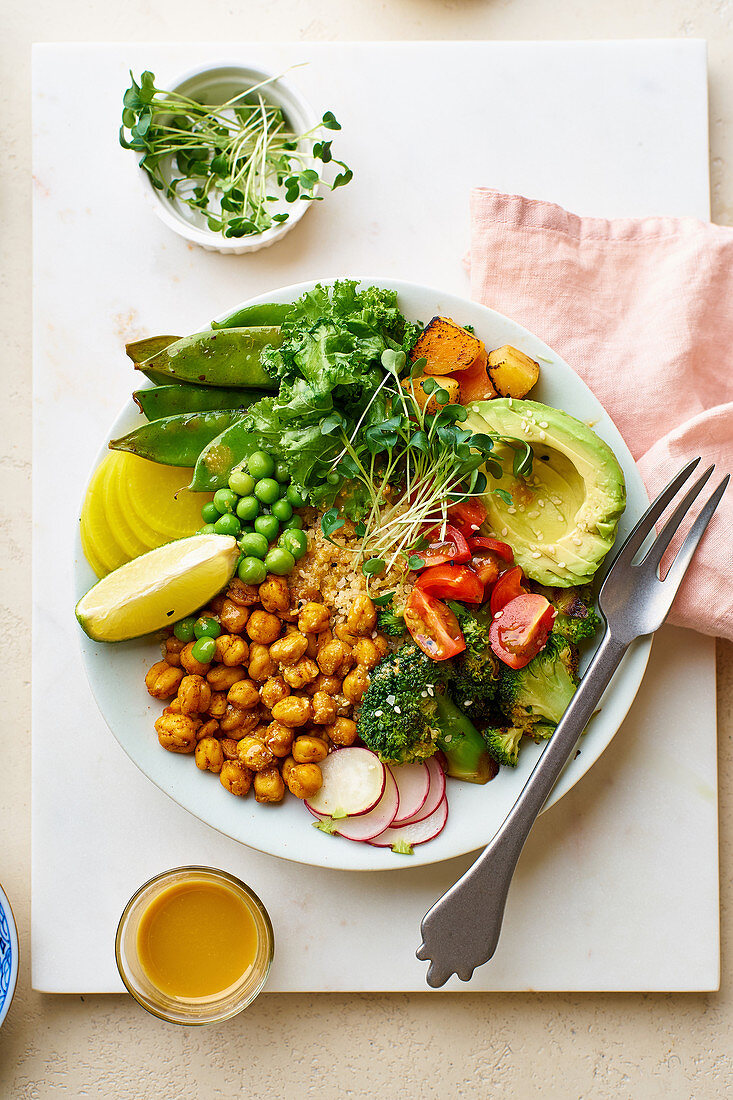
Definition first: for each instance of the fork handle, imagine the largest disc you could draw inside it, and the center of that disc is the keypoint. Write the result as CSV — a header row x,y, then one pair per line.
x,y
463,926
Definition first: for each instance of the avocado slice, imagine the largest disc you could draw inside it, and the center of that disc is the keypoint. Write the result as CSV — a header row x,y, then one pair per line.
x,y
563,518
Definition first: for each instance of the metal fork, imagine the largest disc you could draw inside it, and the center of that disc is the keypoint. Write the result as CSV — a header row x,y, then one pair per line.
x,y
462,929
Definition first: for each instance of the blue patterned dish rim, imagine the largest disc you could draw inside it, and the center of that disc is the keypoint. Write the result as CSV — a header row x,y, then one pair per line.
x,y
8,955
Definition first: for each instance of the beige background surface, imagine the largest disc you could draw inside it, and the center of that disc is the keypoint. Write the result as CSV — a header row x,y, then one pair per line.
x,y
359,1046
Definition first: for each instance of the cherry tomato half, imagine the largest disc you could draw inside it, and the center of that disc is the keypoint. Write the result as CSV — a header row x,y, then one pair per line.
x,y
433,626
454,582
521,628
453,547
489,558
484,542
467,516
508,587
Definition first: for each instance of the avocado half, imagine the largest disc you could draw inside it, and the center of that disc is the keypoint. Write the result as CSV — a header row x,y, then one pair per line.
x,y
563,518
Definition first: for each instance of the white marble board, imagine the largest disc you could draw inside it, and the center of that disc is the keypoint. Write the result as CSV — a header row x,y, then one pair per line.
x,y
616,874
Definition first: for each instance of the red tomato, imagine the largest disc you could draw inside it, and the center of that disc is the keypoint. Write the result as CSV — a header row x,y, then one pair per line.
x,y
483,542
489,558
520,629
475,382
467,516
433,626
453,547
455,582
508,587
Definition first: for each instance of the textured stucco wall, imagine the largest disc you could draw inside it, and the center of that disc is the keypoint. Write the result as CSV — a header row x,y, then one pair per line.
x,y
347,1046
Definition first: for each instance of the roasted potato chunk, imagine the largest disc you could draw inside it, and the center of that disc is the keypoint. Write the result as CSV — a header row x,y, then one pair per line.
x,y
429,401
512,372
447,347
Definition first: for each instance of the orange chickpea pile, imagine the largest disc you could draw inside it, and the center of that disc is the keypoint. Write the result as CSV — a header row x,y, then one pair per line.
x,y
278,695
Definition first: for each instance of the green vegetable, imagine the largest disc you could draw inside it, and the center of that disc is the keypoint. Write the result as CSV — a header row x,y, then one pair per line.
x,y
535,698
207,529
225,500
406,715
248,508
206,628
390,622
267,490
241,482
282,474
279,561
224,358
230,158
294,524
170,400
203,650
210,513
575,620
252,571
295,542
254,545
266,314
227,525
183,629
402,848
260,464
503,744
221,455
268,526
140,350
282,510
176,440
295,497
475,672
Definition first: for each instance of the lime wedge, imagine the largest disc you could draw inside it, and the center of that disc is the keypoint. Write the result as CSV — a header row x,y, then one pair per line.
x,y
158,588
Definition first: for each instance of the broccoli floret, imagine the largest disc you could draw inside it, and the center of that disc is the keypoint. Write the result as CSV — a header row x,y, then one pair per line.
x,y
503,744
534,698
390,622
576,619
475,674
406,715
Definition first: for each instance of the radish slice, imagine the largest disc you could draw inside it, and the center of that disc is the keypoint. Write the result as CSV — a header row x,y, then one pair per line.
x,y
353,783
436,793
417,833
366,826
413,784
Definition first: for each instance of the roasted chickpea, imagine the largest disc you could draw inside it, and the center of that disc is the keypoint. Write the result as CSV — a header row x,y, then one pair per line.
x,y
231,650
366,653
309,750
261,664
324,709
382,645
176,732
218,704
273,690
345,635
274,593
313,618
222,678
362,616
244,595
172,651
355,684
244,694
342,732
239,721
207,729
233,616
334,656
287,766
174,707
304,780
302,673
255,754
208,755
162,680
279,739
191,665
293,711
229,748
216,605
194,695
268,785
330,684
315,641
235,777
264,627
288,650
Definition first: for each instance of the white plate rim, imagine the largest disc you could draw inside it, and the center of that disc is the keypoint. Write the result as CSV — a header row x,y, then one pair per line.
x,y
187,786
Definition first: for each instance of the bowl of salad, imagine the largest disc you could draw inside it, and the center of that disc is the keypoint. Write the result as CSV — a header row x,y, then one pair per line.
x,y
345,542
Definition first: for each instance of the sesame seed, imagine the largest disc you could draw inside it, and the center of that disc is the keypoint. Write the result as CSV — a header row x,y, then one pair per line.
x,y
511,510
397,710
475,408
467,702
561,565
378,713
541,503
544,424
498,615
543,437
510,402
391,700
536,554
505,531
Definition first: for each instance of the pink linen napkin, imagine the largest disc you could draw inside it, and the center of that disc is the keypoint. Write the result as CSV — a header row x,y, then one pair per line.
x,y
642,309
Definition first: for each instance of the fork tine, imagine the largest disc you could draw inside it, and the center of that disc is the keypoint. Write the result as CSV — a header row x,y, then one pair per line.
x,y
656,551
679,565
653,512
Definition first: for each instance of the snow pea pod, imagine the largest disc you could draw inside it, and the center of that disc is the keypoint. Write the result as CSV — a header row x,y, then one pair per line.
x,y
161,401
140,350
266,313
176,440
220,456
223,357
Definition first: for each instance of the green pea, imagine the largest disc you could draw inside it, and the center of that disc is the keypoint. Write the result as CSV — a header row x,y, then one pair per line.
x,y
227,525
206,628
183,629
295,497
295,542
207,529
210,513
248,508
279,561
294,524
254,545
282,510
268,526
252,571
282,474
260,464
267,490
333,478
241,482
225,501
203,650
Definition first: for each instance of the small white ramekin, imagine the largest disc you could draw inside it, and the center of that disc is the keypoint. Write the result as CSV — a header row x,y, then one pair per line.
x,y
218,84
8,955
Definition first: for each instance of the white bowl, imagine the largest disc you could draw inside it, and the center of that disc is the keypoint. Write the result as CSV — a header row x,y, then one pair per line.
x,y
8,955
116,672
218,84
